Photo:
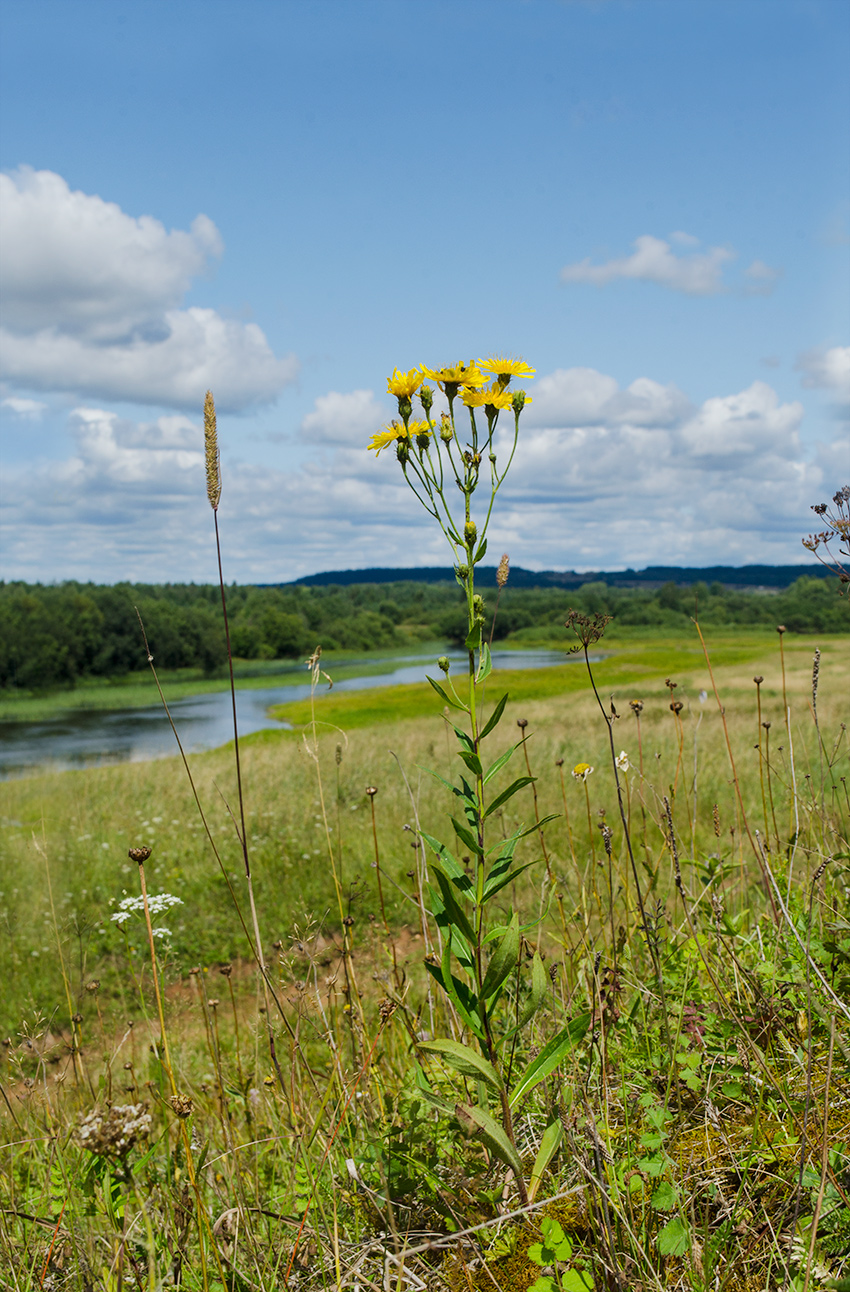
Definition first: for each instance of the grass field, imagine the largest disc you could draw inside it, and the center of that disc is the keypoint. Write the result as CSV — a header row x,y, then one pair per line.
x,y
695,1133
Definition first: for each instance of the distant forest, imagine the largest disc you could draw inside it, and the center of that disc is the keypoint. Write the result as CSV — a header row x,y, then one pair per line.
x,y
54,636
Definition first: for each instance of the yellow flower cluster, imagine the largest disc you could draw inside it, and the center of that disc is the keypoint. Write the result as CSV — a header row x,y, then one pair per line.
x,y
469,378
395,431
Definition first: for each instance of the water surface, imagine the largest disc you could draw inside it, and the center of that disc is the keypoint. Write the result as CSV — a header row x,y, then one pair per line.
x,y
90,738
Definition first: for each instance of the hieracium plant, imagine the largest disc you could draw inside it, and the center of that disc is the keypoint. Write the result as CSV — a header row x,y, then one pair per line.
x,y
447,457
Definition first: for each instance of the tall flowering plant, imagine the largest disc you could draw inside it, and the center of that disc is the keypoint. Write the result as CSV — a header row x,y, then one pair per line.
x,y
442,454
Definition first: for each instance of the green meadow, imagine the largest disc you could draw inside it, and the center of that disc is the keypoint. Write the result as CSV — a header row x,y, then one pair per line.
x,y
292,1131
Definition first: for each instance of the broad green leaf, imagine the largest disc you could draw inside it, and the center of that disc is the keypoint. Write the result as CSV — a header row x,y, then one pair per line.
x,y
432,1097
485,664
519,784
549,1057
494,719
449,699
475,1121
499,763
549,1145
666,1197
464,1060
674,1239
503,960
473,641
576,1281
466,837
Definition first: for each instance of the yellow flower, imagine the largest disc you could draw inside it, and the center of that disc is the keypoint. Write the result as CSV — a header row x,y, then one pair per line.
x,y
503,369
581,771
404,384
395,431
457,374
487,398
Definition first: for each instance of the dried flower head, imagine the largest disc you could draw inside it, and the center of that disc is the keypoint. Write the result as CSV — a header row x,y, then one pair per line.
x,y
636,707
183,1105
503,571
113,1133
139,855
211,454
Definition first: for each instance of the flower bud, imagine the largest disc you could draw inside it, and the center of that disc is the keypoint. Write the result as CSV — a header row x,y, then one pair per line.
x,y
402,451
470,533
446,432
463,571
518,401
426,398
443,663
422,441
405,408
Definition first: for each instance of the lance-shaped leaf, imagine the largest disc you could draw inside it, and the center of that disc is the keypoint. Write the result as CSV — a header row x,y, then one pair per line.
x,y
549,1057
481,553
537,995
454,910
485,664
458,993
499,763
494,719
449,699
464,1060
466,836
506,876
449,863
476,1121
549,1145
465,740
503,960
472,761
519,784
473,641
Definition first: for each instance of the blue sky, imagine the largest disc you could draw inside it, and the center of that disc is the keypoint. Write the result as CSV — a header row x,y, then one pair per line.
x,y
649,201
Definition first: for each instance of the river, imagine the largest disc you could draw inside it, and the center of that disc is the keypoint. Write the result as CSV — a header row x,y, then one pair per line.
x,y
91,738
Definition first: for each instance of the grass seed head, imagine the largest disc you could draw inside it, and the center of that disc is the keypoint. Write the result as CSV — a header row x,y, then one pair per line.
x,y
211,454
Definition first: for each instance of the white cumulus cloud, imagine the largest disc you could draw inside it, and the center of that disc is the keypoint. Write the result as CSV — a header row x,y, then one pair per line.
x,y
697,273
828,370
29,409
93,304
604,477
344,418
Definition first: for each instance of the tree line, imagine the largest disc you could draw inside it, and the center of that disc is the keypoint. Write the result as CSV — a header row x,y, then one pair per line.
x,y
55,635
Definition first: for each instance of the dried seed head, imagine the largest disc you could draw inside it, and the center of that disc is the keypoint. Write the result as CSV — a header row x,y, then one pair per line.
x,y
139,855
113,1133
758,679
677,705
503,571
182,1105
716,815
780,628
93,986
226,970
522,723
386,1009
211,455
636,707
371,790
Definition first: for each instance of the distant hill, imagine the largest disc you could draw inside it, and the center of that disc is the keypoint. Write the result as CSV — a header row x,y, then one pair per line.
x,y
654,576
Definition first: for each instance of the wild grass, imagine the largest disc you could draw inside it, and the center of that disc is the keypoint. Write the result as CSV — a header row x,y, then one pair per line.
x,y
704,1114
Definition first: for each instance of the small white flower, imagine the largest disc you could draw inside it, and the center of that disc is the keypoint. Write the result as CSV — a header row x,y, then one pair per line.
x,y
623,761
